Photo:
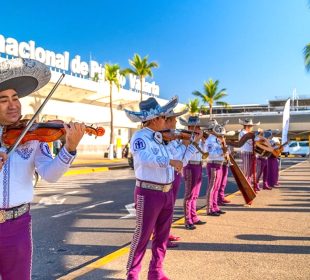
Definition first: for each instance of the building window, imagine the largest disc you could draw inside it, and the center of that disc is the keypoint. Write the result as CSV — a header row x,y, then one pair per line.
x,y
119,132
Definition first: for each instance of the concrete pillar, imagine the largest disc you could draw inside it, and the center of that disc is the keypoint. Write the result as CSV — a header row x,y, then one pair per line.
x,y
111,152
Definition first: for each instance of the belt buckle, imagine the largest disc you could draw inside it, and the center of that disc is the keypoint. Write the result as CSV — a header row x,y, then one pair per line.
x,y
166,188
2,216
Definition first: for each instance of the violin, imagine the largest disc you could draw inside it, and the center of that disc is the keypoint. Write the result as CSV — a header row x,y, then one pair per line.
x,y
175,134
44,132
182,134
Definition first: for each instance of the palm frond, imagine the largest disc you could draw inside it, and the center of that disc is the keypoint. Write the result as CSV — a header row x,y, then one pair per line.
x,y
193,106
141,67
211,93
112,73
223,103
307,57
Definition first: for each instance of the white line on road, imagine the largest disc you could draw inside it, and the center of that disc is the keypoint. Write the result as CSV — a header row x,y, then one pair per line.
x,y
132,211
73,192
52,200
80,209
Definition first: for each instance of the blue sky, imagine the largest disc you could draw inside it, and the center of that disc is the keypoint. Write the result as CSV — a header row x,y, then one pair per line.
x,y
254,48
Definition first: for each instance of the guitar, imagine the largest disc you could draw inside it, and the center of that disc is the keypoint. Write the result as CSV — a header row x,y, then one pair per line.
x,y
277,152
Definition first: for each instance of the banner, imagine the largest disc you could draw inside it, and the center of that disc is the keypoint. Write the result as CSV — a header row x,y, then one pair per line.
x,y
286,124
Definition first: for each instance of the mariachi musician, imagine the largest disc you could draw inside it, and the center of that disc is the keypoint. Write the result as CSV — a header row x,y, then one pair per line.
x,y
262,160
18,78
273,163
193,177
247,151
155,166
217,176
178,149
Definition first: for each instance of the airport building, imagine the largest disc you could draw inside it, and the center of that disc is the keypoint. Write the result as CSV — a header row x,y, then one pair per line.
x,y
79,97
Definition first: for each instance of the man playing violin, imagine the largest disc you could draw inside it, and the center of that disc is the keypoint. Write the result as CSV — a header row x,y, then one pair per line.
x,y
192,177
154,165
18,78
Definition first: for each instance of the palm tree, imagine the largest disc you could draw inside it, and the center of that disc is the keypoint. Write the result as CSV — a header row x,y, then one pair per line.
x,y
112,77
141,68
307,57
212,95
193,106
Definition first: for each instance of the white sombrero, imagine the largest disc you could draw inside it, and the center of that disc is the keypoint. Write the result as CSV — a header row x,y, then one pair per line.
x,y
214,126
23,75
248,122
150,109
191,121
172,113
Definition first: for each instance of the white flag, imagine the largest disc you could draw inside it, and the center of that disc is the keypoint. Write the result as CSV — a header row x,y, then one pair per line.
x,y
286,123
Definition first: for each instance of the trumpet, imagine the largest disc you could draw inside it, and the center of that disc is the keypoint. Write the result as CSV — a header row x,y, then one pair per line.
x,y
204,154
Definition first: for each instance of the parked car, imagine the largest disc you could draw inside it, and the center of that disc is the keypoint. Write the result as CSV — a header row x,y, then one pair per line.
x,y
300,148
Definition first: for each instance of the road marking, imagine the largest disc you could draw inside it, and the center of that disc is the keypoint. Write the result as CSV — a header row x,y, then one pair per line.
x,y
73,192
90,267
132,211
52,200
85,171
80,209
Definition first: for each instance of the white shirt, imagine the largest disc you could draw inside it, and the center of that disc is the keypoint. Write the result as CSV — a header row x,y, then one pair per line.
x,y
179,151
197,156
214,148
248,145
151,158
16,176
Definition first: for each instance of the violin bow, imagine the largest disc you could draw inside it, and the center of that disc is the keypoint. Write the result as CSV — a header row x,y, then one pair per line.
x,y
30,123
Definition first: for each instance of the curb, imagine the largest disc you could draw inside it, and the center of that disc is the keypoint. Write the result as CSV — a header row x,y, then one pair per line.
x,y
93,170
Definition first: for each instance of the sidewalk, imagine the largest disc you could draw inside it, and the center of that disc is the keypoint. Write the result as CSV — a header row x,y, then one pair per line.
x,y
269,240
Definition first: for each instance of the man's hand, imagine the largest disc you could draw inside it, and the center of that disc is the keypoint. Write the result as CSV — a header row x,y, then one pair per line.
x,y
74,134
3,159
177,164
198,135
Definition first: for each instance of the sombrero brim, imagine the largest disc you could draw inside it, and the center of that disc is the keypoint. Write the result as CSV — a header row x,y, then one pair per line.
x,y
245,123
23,75
176,114
144,116
186,123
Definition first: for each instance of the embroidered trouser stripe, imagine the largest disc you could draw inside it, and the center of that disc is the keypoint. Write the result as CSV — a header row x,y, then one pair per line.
x,y
223,184
247,165
137,235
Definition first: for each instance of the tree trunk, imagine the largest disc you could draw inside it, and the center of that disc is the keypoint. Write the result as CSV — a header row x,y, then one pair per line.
x,y
111,150
141,85
211,116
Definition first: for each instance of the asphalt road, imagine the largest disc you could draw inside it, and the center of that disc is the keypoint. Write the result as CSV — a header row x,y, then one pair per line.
x,y
84,217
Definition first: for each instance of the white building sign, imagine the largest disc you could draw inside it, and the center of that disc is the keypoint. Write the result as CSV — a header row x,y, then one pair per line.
x,y
62,61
